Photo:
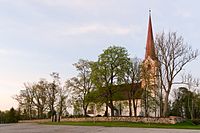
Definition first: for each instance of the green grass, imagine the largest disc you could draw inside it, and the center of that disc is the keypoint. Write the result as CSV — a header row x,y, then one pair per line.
x,y
184,125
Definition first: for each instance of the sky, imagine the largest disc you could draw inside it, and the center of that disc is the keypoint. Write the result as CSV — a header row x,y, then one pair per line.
x,y
38,37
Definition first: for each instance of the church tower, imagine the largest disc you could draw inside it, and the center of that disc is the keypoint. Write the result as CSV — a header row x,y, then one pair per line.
x,y
150,63
149,76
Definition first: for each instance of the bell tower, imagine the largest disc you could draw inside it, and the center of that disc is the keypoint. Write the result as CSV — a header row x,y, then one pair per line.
x,y
149,75
150,63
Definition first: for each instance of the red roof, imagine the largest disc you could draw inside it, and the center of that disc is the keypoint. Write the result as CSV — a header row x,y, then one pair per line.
x,y
150,49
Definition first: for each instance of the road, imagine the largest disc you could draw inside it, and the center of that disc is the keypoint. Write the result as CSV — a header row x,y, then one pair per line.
x,y
36,128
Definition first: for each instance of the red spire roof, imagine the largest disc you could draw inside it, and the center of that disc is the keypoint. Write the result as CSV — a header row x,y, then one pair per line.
x,y
150,49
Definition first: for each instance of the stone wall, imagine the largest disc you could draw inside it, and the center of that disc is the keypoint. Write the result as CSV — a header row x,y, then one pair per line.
x,y
35,121
169,120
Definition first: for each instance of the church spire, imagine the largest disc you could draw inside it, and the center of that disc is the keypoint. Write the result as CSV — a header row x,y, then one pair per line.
x,y
150,49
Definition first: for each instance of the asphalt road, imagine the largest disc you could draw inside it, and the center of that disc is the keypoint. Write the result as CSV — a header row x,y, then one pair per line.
x,y
36,128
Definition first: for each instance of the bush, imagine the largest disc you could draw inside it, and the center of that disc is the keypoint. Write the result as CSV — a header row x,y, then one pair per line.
x,y
76,116
11,116
196,121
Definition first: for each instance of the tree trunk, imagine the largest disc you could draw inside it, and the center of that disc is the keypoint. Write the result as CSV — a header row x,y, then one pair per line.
x,y
166,104
60,112
120,109
38,112
52,119
59,118
130,107
85,111
112,108
135,107
30,112
190,108
146,104
161,102
106,112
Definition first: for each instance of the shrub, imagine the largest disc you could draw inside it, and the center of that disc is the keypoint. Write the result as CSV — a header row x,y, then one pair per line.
x,y
196,121
10,116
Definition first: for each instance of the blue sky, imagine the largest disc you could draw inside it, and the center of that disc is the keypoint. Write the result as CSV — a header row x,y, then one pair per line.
x,y
38,37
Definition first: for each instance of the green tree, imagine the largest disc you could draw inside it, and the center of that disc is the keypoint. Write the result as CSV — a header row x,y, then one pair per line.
x,y
110,70
11,116
2,117
181,105
191,83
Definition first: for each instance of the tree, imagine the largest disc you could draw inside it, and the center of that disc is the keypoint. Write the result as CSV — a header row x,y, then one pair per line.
x,y
150,92
39,96
191,83
25,100
52,92
82,84
33,96
182,103
10,116
43,96
108,71
133,77
63,94
2,117
173,55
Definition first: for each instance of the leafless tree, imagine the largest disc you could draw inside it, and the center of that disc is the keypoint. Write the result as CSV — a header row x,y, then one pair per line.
x,y
63,94
82,84
39,92
25,100
52,92
133,77
173,55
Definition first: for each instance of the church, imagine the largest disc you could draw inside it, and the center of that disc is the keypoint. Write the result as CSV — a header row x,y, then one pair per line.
x,y
146,101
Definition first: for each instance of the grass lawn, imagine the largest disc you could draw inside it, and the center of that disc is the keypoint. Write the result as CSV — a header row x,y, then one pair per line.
x,y
184,125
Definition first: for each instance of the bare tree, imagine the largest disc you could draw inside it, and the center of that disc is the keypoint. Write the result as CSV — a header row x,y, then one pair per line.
x,y
34,96
133,77
82,84
173,55
25,100
52,92
63,94
39,98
